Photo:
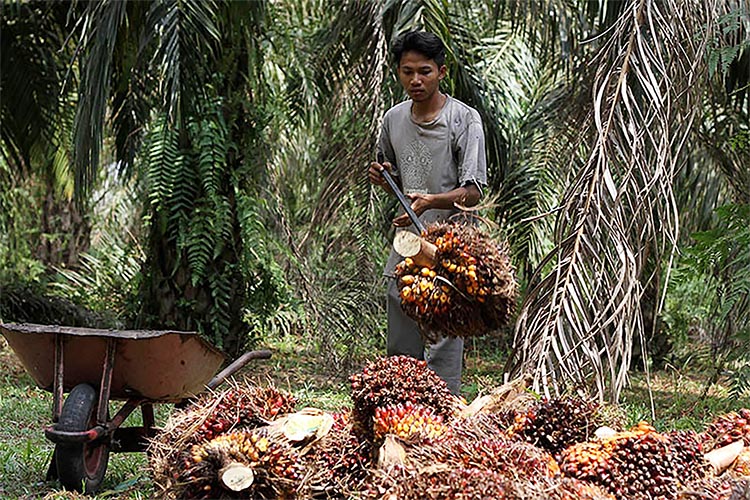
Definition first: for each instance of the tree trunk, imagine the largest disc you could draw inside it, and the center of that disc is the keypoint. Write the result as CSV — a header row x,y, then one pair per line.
x,y
65,231
171,300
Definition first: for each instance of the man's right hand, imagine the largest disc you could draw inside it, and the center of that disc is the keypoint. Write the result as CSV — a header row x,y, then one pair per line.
x,y
376,178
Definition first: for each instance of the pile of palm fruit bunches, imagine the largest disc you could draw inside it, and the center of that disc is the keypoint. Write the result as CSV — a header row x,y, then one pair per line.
x,y
468,289
405,436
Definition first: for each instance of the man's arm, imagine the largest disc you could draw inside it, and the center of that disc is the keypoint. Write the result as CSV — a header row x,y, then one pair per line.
x,y
467,196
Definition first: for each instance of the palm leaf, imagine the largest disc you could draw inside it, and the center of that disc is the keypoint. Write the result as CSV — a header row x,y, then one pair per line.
x,y
577,323
187,36
31,77
99,26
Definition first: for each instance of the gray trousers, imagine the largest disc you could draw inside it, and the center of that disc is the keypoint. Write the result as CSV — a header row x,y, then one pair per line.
x,y
445,357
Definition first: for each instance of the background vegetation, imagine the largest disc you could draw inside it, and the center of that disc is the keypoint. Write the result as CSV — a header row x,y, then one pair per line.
x,y
201,166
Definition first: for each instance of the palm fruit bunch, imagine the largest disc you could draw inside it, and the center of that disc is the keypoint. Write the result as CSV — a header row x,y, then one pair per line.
x,y
440,482
437,307
408,421
741,466
728,428
687,455
471,290
513,459
243,407
338,463
556,423
397,379
716,488
636,464
276,468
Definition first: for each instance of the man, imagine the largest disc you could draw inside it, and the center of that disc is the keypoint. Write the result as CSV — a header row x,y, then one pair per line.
x,y
433,145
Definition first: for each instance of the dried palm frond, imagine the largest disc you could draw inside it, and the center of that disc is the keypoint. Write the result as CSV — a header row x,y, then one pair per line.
x,y
582,311
504,400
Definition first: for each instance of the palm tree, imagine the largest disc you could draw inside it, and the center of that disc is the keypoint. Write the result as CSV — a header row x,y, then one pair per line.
x,y
617,226
250,139
173,80
36,113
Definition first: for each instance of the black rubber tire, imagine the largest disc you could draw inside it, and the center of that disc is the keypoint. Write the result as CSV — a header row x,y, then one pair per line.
x,y
81,466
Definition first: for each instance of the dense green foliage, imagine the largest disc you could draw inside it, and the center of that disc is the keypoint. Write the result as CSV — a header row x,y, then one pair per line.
x,y
201,165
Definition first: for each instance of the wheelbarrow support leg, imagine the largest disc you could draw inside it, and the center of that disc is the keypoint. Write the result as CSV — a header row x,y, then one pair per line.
x,y
59,381
106,385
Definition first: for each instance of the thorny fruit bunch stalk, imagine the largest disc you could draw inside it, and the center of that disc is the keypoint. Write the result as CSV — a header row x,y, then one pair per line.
x,y
341,456
509,457
448,482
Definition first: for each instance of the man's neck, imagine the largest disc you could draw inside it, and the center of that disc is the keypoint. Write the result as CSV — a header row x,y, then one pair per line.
x,y
427,111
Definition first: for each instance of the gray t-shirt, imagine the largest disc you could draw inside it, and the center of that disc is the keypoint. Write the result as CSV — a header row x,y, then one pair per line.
x,y
434,157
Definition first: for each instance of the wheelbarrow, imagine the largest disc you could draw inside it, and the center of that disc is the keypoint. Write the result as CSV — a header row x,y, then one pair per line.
x,y
139,367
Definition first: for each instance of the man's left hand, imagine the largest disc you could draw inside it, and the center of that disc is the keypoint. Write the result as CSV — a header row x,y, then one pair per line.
x,y
419,203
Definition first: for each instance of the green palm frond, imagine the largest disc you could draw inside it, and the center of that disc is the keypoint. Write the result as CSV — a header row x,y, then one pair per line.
x,y
183,185
211,142
577,323
559,30
720,260
31,82
133,97
329,130
740,380
724,254
187,35
100,24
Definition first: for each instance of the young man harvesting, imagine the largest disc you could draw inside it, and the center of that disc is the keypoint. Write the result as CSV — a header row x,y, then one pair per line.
x,y
433,145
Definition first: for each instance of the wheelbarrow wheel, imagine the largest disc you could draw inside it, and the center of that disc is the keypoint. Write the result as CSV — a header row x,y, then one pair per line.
x,y
81,466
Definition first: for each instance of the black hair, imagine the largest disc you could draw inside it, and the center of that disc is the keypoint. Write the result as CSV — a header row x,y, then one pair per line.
x,y
427,44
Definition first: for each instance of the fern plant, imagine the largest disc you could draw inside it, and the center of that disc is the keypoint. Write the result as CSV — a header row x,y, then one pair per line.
x,y
192,221
722,257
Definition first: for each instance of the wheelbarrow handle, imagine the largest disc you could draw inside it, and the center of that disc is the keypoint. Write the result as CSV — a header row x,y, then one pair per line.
x,y
236,365
401,198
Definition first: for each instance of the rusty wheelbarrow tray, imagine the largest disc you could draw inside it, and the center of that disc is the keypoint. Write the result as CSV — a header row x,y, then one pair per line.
x,y
141,367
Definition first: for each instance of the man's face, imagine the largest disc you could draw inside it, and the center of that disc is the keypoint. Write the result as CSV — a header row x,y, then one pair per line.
x,y
419,75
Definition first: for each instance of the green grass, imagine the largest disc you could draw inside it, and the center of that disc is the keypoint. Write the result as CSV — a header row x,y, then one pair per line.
x,y
25,453
678,403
